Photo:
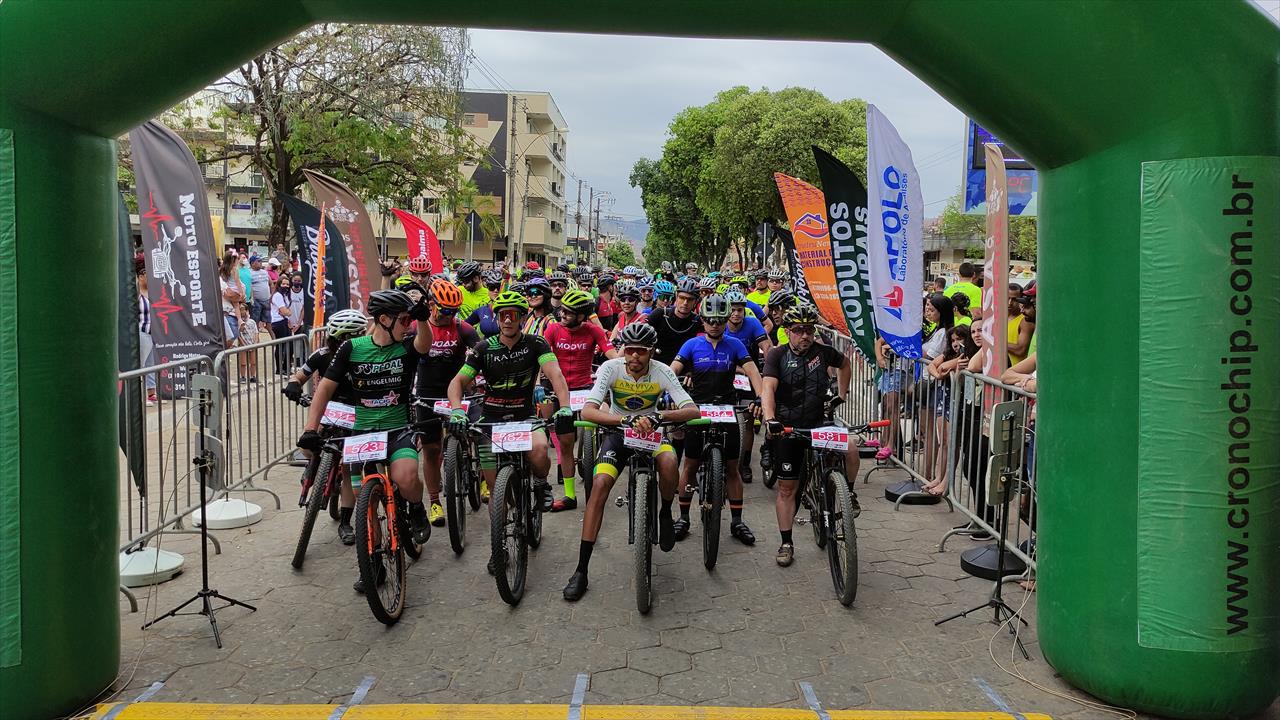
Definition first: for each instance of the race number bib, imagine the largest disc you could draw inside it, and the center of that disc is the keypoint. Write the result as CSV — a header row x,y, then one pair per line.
x,y
363,448
830,438
719,413
633,438
740,382
339,415
512,437
442,407
578,399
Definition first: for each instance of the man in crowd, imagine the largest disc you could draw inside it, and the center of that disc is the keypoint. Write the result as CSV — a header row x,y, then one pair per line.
x,y
967,286
474,293
260,294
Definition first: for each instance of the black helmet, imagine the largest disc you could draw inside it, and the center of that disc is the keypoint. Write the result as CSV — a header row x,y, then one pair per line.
x,y
800,314
638,333
389,302
714,307
781,298
688,284
468,270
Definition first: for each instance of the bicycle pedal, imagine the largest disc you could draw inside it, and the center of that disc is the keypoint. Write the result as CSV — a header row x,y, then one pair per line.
x,y
689,489
802,521
620,501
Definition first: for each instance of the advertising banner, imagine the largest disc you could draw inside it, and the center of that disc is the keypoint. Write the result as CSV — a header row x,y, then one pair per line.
x,y
421,239
798,284
177,239
995,271
895,238
807,214
846,201
347,212
128,353
306,220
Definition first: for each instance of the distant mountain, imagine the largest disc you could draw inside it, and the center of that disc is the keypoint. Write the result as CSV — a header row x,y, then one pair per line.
x,y
633,230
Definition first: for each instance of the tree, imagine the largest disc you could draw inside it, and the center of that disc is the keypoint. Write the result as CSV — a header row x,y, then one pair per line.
x,y
460,201
958,227
374,106
674,219
620,254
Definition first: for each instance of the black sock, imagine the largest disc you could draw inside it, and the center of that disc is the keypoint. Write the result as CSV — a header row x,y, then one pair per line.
x,y
584,555
417,507
685,502
735,509
786,537
344,515
666,507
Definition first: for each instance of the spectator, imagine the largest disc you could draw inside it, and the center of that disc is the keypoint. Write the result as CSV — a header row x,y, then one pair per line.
x,y
273,271
940,312
286,318
972,451
146,345
960,347
1020,329
281,256
961,302
246,280
259,293
967,286
939,284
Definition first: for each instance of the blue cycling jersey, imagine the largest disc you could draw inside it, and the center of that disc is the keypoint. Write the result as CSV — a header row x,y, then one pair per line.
x,y
484,321
712,367
756,310
750,333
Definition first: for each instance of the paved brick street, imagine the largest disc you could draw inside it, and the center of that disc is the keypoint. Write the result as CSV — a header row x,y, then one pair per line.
x,y
744,635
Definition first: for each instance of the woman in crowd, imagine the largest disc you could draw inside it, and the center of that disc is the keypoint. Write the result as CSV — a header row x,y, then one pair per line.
x,y
286,318
939,312
960,347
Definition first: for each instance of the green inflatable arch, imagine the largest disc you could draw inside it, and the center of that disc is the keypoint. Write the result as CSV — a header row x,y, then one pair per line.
x,y
1156,132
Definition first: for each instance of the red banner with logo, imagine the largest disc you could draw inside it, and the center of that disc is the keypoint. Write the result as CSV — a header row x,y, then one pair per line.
x,y
421,239
807,213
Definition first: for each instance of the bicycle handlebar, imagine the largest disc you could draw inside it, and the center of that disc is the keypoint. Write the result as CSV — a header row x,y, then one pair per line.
x,y
668,423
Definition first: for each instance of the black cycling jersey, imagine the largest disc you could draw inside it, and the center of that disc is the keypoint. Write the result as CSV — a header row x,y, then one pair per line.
x,y
800,400
672,332
509,373
317,364
449,346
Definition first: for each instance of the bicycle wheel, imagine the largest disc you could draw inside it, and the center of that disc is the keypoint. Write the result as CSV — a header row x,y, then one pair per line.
x,y
507,536
585,448
334,512
816,502
842,550
471,474
374,556
315,501
533,513
455,493
642,510
712,501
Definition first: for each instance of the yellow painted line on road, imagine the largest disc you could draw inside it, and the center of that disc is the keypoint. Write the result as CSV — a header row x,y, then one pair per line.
x,y
214,711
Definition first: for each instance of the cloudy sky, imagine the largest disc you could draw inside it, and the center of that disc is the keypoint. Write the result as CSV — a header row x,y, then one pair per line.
x,y
618,113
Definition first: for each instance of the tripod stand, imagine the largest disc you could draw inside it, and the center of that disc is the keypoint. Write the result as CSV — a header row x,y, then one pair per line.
x,y
1002,612
205,595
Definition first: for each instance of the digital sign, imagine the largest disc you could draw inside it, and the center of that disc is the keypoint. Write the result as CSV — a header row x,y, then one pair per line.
x,y
1022,177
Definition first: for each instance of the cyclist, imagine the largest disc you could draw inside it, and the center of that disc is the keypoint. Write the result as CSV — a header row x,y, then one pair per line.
x,y
607,306
777,279
751,333
628,299
538,307
645,288
559,282
474,293
664,292
708,286
420,270
482,317
796,383
759,295
342,326
712,359
379,369
633,384
510,362
450,340
779,301
575,343
678,323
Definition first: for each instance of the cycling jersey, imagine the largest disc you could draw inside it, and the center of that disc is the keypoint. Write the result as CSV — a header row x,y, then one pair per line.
x,y
317,364
712,368
607,311
749,333
575,349
759,297
509,373
635,396
449,346
483,321
801,397
380,379
472,299
964,286
672,332
756,310
535,324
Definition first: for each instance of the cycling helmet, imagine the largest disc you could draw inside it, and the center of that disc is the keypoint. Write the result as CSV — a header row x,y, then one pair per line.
x,y
740,280
714,274
627,290
800,314
779,275
722,288
664,288
630,270
666,266
562,268
691,266
708,283
532,265
456,264
781,298
492,277
516,287
346,324
638,333
644,283
510,299
733,297
404,281
537,282
389,302
446,294
559,276
577,301
468,271
531,274
420,265
688,284
605,281
757,274
714,307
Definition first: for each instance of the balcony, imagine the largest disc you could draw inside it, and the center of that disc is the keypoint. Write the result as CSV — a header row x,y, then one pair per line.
x,y
542,235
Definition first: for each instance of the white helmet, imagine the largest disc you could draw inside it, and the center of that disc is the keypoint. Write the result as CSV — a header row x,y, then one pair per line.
x,y
346,324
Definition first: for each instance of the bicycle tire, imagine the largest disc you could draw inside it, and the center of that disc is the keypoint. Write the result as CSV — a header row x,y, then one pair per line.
x,y
815,513
643,511
411,548
534,521
472,475
504,509
455,494
844,568
586,451
315,501
370,513
712,505
334,513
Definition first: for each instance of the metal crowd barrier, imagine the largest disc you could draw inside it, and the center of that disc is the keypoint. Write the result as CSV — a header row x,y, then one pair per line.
x,y
256,432
940,430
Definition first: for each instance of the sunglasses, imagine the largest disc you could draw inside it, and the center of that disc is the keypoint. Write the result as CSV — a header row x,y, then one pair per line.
x,y
561,285
506,314
800,330
447,312
714,322
535,293
636,350
494,287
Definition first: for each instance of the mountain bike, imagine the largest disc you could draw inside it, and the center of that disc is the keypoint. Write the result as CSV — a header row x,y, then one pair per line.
x,y
710,477
322,478
460,473
641,498
384,543
515,514
825,492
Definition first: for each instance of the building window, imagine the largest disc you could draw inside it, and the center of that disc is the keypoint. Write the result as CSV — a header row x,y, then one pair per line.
x,y
469,119
430,205
254,203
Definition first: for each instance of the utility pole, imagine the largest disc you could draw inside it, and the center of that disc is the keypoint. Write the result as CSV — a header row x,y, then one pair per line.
x,y
606,257
577,220
511,176
591,243
523,200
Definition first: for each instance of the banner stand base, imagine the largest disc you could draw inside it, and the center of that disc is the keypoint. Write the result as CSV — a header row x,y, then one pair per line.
x,y
909,492
228,513
149,566
981,562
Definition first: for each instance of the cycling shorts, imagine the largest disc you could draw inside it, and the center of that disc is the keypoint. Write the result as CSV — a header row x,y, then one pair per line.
x,y
789,457
401,445
732,442
614,455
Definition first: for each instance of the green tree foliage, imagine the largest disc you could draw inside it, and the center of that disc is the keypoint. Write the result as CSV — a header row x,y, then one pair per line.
x,y
461,200
714,183
620,254
970,230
